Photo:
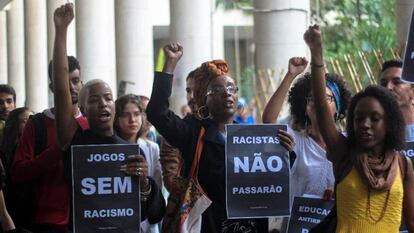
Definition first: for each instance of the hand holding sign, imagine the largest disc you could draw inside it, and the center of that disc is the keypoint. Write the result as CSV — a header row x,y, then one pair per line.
x,y
137,166
286,140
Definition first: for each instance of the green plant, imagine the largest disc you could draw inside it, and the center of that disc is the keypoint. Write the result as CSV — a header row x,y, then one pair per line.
x,y
353,25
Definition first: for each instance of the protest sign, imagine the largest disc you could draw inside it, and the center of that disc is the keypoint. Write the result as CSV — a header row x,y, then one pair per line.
x,y
307,213
104,198
408,62
257,172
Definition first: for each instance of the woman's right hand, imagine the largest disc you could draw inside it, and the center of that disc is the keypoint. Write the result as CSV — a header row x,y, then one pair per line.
x,y
286,140
297,65
173,53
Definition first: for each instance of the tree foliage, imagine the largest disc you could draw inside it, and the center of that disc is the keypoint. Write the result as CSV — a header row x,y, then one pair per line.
x,y
352,25
234,4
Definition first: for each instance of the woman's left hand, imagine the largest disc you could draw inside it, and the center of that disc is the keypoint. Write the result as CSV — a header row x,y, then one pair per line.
x,y
137,166
313,37
286,140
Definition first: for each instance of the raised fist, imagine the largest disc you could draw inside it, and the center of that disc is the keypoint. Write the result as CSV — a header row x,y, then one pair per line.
x,y
297,65
173,51
313,37
63,15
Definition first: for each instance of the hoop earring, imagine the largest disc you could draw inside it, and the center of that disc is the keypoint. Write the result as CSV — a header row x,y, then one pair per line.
x,y
200,114
336,116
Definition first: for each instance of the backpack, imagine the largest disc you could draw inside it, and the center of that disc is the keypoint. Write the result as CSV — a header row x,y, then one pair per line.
x,y
22,207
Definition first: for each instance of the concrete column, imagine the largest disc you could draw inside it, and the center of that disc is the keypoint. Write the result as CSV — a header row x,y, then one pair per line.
x,y
15,50
191,26
218,36
134,46
278,34
275,39
95,40
3,47
71,42
36,55
403,10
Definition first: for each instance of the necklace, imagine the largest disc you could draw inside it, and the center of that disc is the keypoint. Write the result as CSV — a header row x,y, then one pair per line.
x,y
384,208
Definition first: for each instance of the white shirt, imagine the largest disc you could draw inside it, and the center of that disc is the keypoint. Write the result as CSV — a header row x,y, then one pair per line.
x,y
409,132
152,156
312,172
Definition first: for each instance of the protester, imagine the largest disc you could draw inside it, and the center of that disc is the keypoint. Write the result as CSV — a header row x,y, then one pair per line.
x,y
14,126
403,92
131,124
171,160
38,161
311,172
215,96
371,191
7,104
96,101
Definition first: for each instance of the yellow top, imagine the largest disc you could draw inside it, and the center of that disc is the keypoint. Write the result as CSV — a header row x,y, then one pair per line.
x,y
352,206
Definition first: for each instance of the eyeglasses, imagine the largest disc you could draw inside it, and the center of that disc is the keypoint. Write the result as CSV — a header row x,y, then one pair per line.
x,y
218,90
329,98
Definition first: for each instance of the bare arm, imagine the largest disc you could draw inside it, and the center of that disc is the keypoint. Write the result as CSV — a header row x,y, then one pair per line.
x,y
408,202
271,112
5,219
333,139
66,124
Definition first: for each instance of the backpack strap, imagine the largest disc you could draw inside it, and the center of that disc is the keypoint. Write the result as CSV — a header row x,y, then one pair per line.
x,y
40,132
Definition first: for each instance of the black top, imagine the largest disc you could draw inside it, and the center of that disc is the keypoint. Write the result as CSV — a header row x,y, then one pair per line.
x,y
153,209
183,134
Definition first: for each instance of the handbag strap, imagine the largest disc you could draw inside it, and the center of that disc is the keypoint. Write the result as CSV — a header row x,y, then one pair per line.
x,y
197,155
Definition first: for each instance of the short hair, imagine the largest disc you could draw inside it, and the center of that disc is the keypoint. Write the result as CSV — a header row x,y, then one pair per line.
x,y
84,91
4,88
72,62
120,104
203,75
395,124
391,63
302,88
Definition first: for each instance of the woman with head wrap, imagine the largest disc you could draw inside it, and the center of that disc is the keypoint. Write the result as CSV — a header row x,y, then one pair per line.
x,y
215,95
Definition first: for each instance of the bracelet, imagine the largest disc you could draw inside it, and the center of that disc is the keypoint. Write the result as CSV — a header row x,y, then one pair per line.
x,y
145,194
317,66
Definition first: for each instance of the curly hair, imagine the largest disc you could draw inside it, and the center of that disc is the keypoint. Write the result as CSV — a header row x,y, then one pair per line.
x,y
120,104
302,88
395,124
203,75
